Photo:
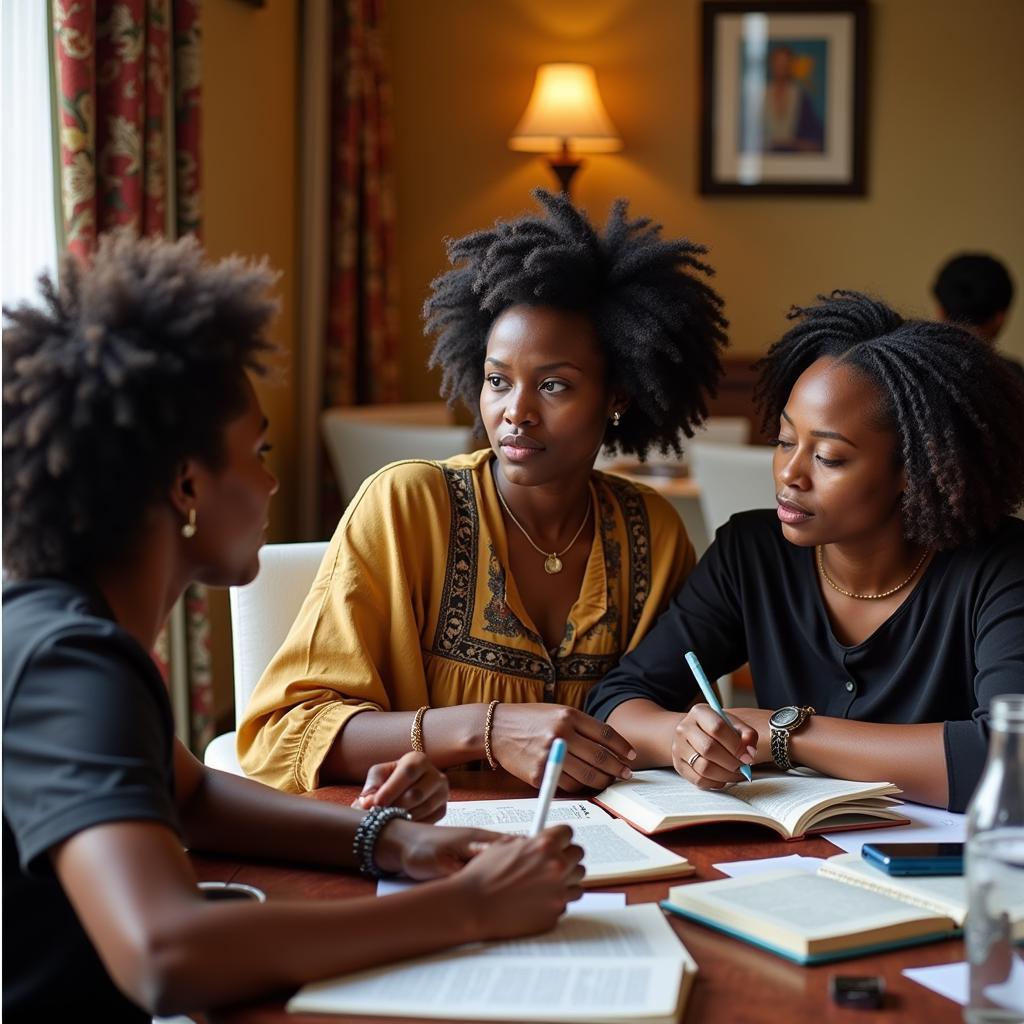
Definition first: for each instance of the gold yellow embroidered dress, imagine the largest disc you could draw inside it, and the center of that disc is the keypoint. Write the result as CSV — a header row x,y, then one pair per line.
x,y
413,605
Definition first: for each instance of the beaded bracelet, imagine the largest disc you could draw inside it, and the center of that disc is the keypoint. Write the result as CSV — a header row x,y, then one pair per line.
x,y
364,842
416,733
488,726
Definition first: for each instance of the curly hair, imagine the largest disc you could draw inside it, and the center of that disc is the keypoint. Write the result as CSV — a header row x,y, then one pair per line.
x,y
131,365
956,408
659,324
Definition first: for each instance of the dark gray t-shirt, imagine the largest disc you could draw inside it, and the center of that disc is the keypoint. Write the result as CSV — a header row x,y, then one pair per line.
x,y
954,644
87,740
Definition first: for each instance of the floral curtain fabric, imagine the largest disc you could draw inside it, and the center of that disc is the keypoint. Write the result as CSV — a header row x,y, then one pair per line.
x,y
128,93
361,339
362,331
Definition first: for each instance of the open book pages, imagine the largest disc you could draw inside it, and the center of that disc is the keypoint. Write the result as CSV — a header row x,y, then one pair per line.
x,y
941,894
791,804
808,918
612,851
616,965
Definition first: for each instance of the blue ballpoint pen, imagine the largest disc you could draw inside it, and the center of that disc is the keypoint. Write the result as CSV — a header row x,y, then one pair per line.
x,y
709,696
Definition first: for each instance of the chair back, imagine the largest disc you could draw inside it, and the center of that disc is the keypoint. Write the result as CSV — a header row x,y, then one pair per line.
x,y
263,611
363,439
732,478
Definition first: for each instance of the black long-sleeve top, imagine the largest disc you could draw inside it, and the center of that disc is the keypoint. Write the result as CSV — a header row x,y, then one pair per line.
x,y
955,643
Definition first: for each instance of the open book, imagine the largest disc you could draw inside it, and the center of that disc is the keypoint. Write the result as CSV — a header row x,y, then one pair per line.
x,y
615,965
612,851
791,804
848,908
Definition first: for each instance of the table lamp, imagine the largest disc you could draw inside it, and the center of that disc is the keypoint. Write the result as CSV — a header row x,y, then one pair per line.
x,y
565,114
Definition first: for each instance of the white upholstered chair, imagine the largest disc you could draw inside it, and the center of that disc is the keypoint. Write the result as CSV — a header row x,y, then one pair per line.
x,y
262,612
362,439
732,478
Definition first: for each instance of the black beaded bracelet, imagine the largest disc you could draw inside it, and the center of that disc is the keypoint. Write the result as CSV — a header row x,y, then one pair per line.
x,y
364,842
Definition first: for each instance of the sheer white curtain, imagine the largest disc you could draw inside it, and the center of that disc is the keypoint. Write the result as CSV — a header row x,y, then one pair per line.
x,y
28,228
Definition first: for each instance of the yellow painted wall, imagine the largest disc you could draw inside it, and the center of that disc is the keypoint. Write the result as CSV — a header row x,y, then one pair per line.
x,y
249,140
946,152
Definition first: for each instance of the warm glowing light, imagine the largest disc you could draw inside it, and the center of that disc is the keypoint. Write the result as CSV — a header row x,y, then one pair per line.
x,y
565,112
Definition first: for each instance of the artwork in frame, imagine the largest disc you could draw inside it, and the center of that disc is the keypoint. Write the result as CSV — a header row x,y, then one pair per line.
x,y
784,97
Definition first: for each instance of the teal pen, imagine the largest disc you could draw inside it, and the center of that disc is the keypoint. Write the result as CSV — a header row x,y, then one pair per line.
x,y
709,696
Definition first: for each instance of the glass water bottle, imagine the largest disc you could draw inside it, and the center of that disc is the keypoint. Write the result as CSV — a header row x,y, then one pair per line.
x,y
994,931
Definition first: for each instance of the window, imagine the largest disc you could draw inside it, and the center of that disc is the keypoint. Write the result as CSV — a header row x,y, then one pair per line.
x,y
28,224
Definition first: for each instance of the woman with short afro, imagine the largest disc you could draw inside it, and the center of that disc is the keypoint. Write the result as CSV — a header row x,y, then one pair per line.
x,y
466,607
881,604
134,447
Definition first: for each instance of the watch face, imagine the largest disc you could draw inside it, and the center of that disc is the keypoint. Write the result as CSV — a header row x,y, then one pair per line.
x,y
785,717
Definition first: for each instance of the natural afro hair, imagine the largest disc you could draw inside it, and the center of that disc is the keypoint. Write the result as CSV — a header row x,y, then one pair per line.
x,y
659,324
132,364
955,406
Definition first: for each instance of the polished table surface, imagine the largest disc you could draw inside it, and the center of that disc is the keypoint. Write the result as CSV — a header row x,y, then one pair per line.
x,y
736,984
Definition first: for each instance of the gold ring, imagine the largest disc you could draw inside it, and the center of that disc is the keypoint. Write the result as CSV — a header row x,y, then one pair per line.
x,y
693,757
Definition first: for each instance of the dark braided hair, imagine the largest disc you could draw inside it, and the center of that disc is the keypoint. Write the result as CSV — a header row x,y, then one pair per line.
x,y
133,364
660,326
956,408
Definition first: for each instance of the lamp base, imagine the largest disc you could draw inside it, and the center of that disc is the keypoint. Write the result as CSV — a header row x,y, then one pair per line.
x,y
564,168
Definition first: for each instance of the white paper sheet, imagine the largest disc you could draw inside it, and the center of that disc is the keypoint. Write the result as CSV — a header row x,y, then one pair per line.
x,y
589,901
953,982
949,980
738,868
927,825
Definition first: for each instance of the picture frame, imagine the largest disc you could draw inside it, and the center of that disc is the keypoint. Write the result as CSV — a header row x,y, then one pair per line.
x,y
784,97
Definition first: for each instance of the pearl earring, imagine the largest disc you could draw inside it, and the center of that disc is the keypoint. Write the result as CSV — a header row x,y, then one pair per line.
x,y
616,416
188,530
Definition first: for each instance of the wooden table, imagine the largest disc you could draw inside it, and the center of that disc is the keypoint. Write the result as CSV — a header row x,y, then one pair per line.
x,y
737,983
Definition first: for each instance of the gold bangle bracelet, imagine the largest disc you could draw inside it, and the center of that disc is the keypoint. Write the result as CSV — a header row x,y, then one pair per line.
x,y
416,734
488,726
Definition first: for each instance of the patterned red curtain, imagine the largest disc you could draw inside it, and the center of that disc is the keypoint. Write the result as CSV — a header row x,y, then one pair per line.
x,y
128,95
361,343
361,351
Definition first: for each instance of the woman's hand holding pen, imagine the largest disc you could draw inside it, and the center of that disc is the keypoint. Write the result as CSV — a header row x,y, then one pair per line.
x,y
519,886
706,752
522,734
423,852
505,886
411,782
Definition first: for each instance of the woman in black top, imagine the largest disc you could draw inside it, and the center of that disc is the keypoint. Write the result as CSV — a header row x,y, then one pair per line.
x,y
882,604
134,462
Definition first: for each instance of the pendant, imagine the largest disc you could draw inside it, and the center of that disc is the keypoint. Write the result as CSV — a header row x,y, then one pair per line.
x,y
552,565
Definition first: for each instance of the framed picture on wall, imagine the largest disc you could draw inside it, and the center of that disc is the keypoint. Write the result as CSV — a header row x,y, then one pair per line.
x,y
783,97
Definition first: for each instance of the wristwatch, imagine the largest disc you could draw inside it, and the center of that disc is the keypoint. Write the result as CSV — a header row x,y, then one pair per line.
x,y
782,723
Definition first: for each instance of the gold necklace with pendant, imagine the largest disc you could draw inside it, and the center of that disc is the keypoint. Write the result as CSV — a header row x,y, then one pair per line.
x,y
552,559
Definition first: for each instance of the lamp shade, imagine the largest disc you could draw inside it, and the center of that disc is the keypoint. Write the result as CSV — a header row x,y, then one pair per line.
x,y
565,109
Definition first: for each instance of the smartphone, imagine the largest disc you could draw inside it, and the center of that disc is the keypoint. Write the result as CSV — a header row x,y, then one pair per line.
x,y
916,858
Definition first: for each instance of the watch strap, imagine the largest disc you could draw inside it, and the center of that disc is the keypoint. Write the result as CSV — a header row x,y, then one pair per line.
x,y
780,748
780,738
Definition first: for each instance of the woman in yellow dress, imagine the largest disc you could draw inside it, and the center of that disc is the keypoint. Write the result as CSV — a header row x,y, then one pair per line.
x,y
465,608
